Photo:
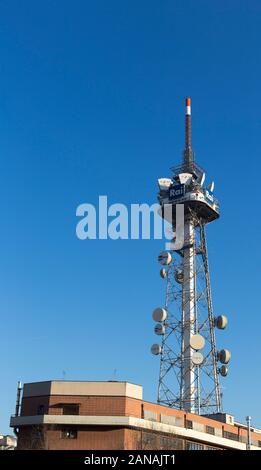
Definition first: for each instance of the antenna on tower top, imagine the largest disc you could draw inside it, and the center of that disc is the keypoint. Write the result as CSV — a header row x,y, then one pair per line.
x,y
188,152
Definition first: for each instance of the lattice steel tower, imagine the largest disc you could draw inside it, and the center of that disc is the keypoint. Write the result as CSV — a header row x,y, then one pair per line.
x,y
189,361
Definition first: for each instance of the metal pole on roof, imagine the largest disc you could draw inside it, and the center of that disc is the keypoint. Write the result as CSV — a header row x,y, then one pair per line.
x,y
18,398
248,420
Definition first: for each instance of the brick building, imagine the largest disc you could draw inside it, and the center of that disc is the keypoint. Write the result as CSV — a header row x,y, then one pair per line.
x,y
112,415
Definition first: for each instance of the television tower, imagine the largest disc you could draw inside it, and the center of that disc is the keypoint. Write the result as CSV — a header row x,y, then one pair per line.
x,y
189,360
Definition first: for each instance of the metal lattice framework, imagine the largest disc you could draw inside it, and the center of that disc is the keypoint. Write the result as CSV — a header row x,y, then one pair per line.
x,y
189,311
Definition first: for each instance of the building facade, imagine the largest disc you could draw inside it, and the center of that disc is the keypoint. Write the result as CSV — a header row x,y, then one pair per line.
x,y
63,415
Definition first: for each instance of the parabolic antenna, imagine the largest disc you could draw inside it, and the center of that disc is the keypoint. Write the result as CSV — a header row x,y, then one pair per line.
x,y
164,183
221,322
159,314
185,178
223,371
224,356
163,273
197,342
159,329
197,358
165,258
155,349
179,276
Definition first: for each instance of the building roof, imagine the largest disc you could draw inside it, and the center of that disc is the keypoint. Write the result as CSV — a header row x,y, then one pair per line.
x,y
61,387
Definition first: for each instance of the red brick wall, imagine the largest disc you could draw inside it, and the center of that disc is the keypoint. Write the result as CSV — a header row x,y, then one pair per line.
x,y
100,406
119,406
89,405
30,405
94,438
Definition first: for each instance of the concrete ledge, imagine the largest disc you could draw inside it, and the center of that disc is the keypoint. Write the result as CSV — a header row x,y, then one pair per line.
x,y
128,421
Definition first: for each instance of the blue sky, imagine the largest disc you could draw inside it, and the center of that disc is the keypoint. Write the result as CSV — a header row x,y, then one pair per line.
x,y
92,103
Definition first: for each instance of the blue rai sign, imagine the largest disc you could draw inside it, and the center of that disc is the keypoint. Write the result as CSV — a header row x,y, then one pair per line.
x,y
177,191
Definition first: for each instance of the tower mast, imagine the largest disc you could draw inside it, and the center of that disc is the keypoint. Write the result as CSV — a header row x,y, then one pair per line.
x,y
188,285
189,370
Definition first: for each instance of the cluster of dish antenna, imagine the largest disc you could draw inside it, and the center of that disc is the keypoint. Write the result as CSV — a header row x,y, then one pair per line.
x,y
184,178
197,341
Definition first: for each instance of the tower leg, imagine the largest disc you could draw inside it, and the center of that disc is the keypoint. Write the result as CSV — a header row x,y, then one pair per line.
x,y
211,320
189,313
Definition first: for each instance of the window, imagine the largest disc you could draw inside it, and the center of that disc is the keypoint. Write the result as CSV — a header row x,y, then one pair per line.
x,y
210,430
189,424
147,440
230,435
164,442
259,443
69,434
170,443
40,410
194,446
70,409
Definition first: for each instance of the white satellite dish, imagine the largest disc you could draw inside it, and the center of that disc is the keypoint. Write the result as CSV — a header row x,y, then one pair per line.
x,y
223,370
155,349
159,314
163,273
164,183
221,322
197,358
224,356
185,178
197,342
165,258
159,329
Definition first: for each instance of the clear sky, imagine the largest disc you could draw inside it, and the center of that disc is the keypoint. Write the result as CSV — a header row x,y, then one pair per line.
x,y
92,103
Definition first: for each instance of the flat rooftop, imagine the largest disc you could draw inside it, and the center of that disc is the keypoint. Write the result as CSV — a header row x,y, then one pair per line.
x,y
82,388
